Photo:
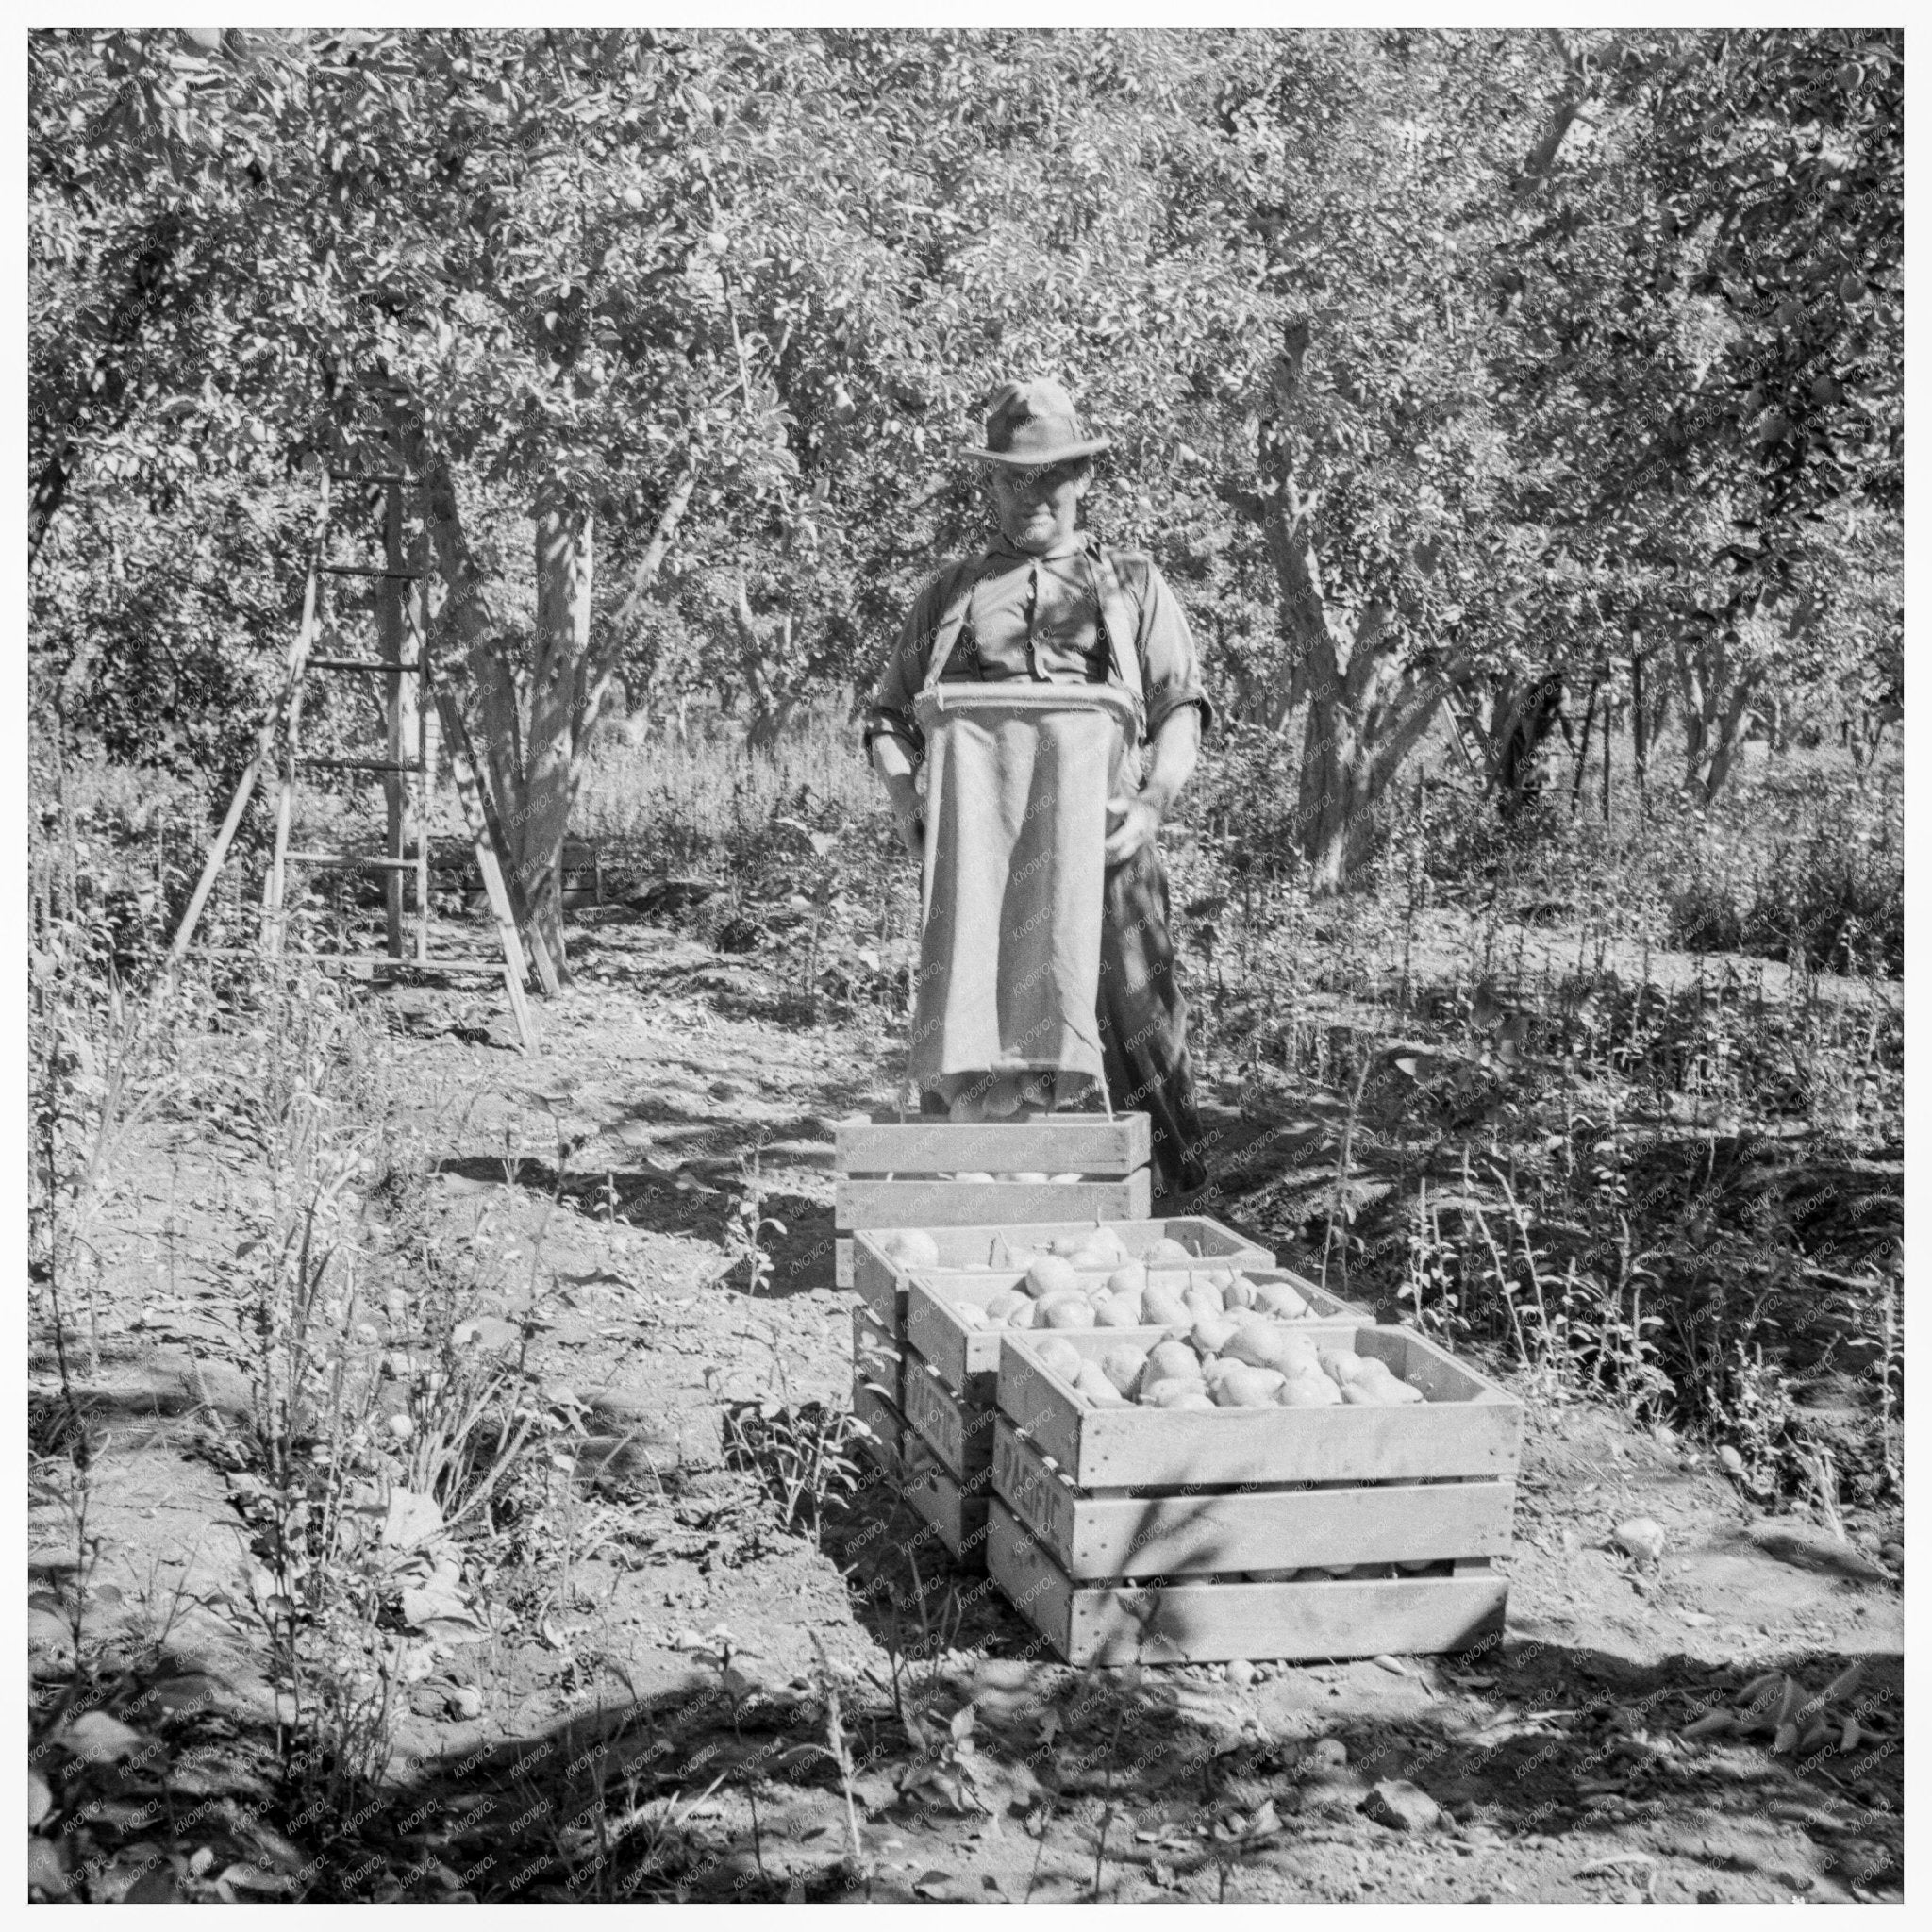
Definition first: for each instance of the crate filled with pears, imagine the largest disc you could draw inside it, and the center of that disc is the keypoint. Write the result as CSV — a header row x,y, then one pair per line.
x,y
1254,1482
951,1307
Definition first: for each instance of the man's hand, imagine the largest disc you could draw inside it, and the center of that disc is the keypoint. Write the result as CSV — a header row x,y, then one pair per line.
x,y
1132,821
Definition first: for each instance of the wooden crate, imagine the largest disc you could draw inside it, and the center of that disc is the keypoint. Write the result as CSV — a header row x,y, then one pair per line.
x,y
958,1431
881,1281
1141,1534
888,1174
1212,1621
1198,1535
968,1360
958,1509
1467,1427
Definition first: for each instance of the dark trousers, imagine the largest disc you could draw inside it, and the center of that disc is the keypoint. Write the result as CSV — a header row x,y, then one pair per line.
x,y
1143,1020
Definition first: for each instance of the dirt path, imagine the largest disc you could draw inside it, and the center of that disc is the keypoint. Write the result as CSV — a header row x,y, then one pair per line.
x,y
1558,1762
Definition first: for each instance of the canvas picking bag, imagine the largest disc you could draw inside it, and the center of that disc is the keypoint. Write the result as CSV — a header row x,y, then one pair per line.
x,y
1018,779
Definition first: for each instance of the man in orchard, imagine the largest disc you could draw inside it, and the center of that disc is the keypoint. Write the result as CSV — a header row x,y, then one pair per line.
x,y
1036,605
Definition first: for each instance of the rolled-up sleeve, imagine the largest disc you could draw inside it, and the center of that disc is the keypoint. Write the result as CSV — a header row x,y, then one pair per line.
x,y
1169,665
890,714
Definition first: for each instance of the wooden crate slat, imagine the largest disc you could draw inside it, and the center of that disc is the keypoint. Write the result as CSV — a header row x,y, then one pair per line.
x,y
959,1432
968,1360
1107,1537
1070,1143
1468,1427
842,1261
881,1282
930,1203
1212,1623
957,1510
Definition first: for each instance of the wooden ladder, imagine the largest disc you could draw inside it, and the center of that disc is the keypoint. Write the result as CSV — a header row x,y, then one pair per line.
x,y
410,692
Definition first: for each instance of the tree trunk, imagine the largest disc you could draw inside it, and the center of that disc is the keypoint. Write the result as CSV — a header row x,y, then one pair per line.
x,y
537,725
1716,689
1367,710
1520,723
767,673
547,784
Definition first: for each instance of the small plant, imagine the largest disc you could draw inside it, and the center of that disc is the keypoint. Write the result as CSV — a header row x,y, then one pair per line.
x,y
746,1231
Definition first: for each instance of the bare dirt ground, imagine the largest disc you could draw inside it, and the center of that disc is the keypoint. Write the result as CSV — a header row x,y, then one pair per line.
x,y
581,1747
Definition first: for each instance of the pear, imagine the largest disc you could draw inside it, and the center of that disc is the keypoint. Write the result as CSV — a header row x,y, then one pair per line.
x,y
1340,1364
1309,1391
1168,1250
1265,1347
1051,1275
1245,1388
1174,1360
1093,1383
1280,1299
1122,1365
1116,1312
1164,1308
1239,1294
1024,1316
911,1247
1062,1358
1001,1307
1065,1311
1130,1278
1365,1392
1212,1333
1202,1303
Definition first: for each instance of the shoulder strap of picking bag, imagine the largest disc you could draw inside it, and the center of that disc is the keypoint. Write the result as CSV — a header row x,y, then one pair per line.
x,y
952,621
1117,613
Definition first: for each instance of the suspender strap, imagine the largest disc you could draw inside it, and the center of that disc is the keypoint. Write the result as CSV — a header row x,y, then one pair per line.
x,y
1123,629
1117,614
952,621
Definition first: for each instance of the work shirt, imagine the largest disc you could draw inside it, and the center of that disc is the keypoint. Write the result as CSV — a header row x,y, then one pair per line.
x,y
1039,618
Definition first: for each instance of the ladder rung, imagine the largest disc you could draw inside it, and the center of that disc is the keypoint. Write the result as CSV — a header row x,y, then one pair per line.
x,y
372,570
362,764
379,860
365,664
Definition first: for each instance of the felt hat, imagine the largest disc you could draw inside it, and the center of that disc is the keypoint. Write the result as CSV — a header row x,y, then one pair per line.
x,y
1031,425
